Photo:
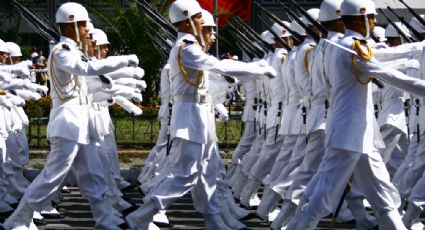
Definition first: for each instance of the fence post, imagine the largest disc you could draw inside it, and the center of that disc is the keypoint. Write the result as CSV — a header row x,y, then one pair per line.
x,y
38,113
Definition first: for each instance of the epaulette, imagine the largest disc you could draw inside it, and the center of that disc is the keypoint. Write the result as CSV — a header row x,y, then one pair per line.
x,y
66,47
3,92
188,41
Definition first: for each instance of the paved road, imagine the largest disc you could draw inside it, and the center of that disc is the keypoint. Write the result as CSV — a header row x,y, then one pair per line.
x,y
181,215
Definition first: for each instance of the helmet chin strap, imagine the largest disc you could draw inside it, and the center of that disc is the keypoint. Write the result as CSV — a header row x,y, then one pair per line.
x,y
195,32
98,52
77,32
366,21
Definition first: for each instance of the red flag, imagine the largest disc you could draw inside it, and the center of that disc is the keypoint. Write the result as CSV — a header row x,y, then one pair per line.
x,y
228,9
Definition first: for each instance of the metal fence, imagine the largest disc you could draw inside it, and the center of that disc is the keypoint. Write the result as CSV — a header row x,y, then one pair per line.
x,y
142,131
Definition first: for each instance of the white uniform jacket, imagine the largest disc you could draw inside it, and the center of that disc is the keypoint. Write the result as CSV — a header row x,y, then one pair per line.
x,y
187,61
320,91
292,121
69,116
276,90
165,92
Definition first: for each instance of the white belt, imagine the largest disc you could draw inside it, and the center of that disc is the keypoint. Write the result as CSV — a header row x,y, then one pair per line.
x,y
80,100
294,100
318,101
390,101
201,99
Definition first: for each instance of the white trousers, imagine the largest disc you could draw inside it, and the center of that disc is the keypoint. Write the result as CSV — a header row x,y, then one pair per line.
x,y
66,155
396,147
315,150
252,156
414,173
327,185
17,154
269,152
282,159
191,168
284,180
402,178
245,143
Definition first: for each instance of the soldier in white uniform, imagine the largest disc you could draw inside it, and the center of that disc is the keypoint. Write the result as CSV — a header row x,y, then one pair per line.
x,y
72,148
316,118
302,80
190,167
291,104
392,120
352,137
409,171
250,158
273,141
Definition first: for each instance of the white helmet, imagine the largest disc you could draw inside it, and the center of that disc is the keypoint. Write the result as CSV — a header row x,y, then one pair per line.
x,y
14,49
208,18
267,37
330,10
379,34
90,27
280,30
314,13
100,37
418,25
71,12
391,32
357,7
3,47
297,28
181,10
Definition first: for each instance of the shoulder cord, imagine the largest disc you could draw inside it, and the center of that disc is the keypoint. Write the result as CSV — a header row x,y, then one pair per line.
x,y
357,46
306,59
56,84
184,73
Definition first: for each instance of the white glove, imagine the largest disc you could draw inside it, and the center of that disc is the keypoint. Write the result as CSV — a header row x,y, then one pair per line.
x,y
139,73
131,82
101,96
5,77
5,102
16,101
21,71
26,94
128,105
268,70
39,88
222,112
132,60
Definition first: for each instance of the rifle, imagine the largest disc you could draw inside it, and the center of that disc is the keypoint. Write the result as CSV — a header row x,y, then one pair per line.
x,y
418,35
40,26
316,24
307,28
252,34
253,50
167,43
399,30
248,40
162,46
158,20
244,50
415,15
276,36
295,35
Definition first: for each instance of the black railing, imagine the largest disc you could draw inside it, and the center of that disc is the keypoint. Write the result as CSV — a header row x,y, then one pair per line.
x,y
142,131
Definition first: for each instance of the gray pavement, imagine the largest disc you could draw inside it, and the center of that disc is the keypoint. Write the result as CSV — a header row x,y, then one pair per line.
x,y
182,215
